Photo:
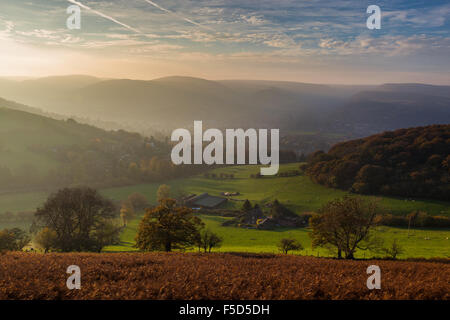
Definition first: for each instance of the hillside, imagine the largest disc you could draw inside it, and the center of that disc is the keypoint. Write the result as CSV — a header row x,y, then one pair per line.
x,y
38,152
411,162
21,130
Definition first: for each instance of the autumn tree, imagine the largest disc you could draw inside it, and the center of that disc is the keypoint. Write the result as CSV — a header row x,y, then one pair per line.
x,y
346,225
168,227
163,193
410,162
76,215
46,239
6,240
13,239
286,245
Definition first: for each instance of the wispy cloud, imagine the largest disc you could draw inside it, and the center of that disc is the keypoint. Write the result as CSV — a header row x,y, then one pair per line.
x,y
253,19
432,17
178,16
387,46
104,16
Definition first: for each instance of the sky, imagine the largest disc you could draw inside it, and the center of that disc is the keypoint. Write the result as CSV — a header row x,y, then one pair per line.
x,y
314,41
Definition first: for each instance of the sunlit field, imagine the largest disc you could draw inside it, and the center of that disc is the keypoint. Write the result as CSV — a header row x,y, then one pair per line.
x,y
298,193
423,243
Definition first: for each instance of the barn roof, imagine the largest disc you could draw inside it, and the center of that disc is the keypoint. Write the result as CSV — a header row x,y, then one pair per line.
x,y
206,200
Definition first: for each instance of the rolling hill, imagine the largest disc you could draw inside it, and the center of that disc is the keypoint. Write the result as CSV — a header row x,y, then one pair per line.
x,y
172,102
20,130
41,91
38,152
177,101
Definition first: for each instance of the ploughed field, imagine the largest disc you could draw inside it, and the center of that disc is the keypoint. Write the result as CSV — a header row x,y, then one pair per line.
x,y
216,276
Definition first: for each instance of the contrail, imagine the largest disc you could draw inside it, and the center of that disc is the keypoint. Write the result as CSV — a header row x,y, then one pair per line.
x,y
178,16
104,16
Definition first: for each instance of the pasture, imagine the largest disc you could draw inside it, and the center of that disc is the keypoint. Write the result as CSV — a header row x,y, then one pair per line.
x,y
298,193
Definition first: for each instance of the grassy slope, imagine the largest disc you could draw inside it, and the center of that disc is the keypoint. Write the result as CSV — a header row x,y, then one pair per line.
x,y
19,130
299,193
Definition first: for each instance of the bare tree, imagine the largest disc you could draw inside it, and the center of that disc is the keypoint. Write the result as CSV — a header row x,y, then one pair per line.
x,y
345,224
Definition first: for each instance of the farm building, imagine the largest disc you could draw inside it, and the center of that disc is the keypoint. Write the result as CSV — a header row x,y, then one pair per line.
x,y
267,224
204,200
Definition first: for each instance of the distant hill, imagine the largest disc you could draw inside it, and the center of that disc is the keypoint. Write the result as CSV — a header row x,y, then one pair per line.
x,y
60,82
426,89
43,92
172,102
393,107
176,101
411,162
46,95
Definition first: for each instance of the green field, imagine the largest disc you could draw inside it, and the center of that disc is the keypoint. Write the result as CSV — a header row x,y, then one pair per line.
x,y
298,193
301,195
424,243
